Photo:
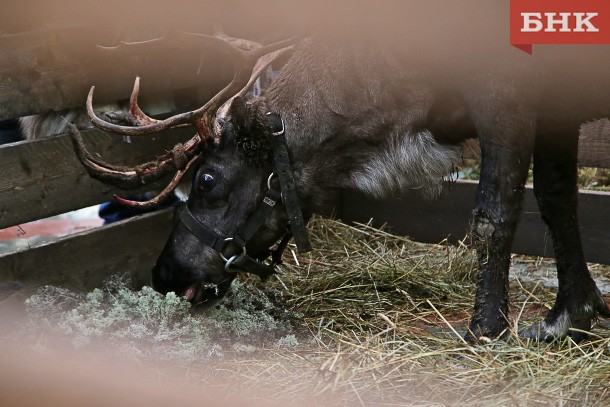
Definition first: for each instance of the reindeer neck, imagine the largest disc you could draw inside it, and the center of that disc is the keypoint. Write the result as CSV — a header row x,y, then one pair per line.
x,y
354,121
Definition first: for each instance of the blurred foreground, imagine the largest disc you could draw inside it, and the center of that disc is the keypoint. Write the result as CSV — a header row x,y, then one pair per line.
x,y
367,319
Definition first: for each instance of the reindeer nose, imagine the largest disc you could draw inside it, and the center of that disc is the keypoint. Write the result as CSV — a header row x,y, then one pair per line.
x,y
198,288
206,294
163,276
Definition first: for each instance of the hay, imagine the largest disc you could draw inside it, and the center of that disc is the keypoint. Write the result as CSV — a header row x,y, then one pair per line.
x,y
390,313
373,319
591,178
594,178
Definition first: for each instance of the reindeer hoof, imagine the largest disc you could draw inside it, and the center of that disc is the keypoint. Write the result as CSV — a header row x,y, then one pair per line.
x,y
569,317
479,334
543,332
558,325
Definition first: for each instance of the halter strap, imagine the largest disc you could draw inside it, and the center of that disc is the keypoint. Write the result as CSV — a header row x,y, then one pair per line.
x,y
244,262
290,196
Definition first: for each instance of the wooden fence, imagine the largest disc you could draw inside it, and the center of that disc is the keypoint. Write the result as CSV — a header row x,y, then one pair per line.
x,y
431,221
52,69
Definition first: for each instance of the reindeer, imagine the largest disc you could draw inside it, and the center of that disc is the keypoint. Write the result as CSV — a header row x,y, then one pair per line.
x,y
361,115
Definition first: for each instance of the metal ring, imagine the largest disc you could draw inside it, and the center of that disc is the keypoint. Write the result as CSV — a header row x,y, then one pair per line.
x,y
229,262
278,133
228,239
269,181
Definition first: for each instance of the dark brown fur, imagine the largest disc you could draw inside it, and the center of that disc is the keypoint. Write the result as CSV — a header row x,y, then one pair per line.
x,y
370,105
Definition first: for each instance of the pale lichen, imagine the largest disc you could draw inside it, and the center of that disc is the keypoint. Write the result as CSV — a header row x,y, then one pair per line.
x,y
146,323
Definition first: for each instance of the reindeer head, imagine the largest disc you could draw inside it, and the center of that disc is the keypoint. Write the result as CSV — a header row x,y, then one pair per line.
x,y
243,198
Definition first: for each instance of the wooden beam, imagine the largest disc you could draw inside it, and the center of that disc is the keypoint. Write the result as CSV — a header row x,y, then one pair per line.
x,y
594,144
42,178
431,221
54,69
82,261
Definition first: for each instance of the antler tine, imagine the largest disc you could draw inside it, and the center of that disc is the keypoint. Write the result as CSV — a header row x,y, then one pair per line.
x,y
243,60
240,43
134,108
247,63
130,178
143,124
135,116
262,63
160,197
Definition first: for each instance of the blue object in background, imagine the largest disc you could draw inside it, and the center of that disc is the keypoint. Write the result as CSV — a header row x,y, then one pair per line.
x,y
113,211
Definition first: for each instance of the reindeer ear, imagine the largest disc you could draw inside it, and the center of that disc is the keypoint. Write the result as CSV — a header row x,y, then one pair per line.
x,y
239,113
239,116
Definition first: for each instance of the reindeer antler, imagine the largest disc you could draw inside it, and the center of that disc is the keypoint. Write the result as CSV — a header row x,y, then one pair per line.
x,y
249,59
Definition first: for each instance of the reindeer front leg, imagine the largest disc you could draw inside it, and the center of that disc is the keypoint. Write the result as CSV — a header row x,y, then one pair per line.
x,y
506,134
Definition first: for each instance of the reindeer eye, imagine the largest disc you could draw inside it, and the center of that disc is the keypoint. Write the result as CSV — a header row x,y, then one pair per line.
x,y
206,183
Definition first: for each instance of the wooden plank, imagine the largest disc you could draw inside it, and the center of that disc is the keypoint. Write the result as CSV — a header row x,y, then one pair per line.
x,y
42,178
54,69
49,54
594,144
431,221
82,261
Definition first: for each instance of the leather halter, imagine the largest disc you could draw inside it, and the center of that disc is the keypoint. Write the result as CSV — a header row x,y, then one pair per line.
x,y
288,195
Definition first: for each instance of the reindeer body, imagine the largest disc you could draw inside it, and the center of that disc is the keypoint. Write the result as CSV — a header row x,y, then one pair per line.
x,y
379,111
361,129
358,120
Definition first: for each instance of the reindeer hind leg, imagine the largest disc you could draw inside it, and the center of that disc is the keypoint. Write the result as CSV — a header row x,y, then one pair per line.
x,y
578,299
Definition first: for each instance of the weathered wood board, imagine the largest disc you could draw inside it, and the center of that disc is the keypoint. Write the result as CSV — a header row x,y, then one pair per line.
x,y
594,144
54,69
42,178
83,260
431,221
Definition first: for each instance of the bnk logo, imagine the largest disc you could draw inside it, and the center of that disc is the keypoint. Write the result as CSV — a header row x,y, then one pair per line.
x,y
559,22
563,22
